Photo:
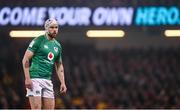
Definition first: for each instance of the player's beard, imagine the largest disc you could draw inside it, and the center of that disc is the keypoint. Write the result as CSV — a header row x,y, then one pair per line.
x,y
52,35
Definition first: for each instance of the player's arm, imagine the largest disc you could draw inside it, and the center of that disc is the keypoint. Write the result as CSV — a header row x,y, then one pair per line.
x,y
31,50
60,72
25,62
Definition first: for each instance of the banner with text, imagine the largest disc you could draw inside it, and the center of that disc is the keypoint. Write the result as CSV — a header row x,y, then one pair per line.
x,y
85,16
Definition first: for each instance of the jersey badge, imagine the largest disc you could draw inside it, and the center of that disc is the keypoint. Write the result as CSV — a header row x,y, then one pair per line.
x,y
55,49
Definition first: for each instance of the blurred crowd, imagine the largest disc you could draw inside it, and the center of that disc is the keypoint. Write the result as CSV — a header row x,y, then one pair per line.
x,y
117,78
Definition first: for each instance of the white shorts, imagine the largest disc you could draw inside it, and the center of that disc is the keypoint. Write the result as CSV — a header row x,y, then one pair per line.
x,y
41,87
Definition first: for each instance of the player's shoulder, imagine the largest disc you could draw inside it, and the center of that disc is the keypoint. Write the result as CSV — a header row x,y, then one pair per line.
x,y
57,43
39,38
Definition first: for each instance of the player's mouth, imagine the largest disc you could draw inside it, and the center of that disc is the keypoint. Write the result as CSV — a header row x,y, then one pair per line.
x,y
54,33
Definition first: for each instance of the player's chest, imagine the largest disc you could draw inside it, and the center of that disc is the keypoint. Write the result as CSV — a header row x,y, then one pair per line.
x,y
49,49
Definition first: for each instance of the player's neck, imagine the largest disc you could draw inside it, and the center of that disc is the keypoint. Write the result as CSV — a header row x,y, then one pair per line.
x,y
49,37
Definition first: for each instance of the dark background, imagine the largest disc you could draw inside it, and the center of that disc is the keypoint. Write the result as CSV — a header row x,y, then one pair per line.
x,y
140,70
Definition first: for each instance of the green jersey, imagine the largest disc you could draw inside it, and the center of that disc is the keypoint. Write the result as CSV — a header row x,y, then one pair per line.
x,y
46,53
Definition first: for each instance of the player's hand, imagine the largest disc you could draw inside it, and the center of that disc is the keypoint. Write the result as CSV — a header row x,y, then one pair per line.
x,y
28,83
63,88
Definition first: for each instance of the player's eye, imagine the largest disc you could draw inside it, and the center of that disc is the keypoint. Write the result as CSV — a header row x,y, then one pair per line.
x,y
53,27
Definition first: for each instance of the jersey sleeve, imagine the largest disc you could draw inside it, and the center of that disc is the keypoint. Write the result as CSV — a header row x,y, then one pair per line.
x,y
34,45
59,57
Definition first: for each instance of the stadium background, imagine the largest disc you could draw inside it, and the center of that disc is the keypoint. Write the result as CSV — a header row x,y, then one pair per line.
x,y
139,70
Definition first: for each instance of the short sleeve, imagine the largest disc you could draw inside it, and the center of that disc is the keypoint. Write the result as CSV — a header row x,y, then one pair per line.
x,y
59,57
33,46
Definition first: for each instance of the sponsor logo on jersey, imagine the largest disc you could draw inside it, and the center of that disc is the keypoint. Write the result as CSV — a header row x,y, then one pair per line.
x,y
50,62
55,49
50,55
45,46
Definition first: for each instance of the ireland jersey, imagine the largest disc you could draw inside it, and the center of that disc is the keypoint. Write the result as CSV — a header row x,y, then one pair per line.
x,y
46,53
